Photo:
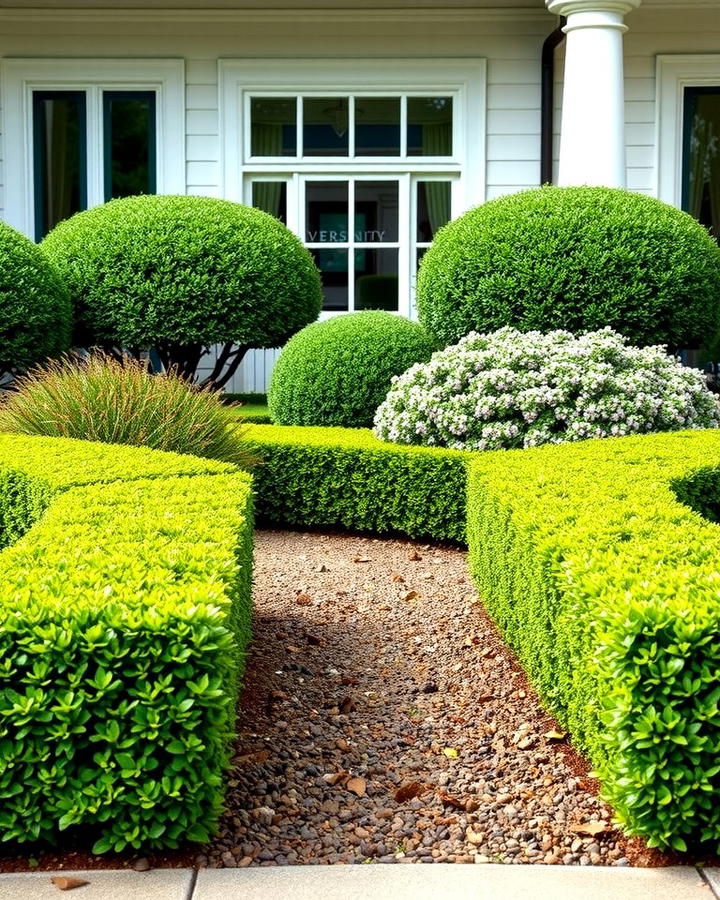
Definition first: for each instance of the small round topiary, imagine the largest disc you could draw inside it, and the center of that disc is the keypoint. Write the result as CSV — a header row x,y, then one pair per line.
x,y
181,273
338,372
35,309
511,389
573,258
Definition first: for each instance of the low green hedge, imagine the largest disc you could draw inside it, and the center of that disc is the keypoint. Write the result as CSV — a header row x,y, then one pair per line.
x,y
124,614
328,477
605,582
595,567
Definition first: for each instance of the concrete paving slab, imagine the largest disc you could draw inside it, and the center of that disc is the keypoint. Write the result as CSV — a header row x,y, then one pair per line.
x,y
713,877
111,884
450,882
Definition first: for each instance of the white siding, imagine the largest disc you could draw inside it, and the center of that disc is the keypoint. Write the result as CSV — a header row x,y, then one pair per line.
x,y
511,43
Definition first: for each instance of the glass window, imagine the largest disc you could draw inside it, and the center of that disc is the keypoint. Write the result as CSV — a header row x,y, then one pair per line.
x,y
376,211
377,126
326,126
271,197
433,208
273,128
129,139
429,126
326,212
376,279
701,158
59,142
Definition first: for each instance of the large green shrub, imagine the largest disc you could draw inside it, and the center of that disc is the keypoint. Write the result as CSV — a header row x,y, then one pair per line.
x,y
575,258
180,274
330,477
606,585
124,617
98,398
35,309
338,372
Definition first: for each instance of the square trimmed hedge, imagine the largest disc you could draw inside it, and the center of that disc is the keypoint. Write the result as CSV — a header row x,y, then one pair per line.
x,y
598,560
330,477
124,617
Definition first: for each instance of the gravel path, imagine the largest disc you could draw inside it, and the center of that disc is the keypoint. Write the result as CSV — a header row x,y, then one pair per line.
x,y
383,719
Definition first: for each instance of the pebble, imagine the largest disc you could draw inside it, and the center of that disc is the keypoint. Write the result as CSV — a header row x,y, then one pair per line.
x,y
418,696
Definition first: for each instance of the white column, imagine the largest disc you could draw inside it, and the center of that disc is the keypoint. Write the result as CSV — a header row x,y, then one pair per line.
x,y
592,138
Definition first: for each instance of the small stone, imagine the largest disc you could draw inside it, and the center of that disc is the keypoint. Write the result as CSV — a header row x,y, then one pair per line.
x,y
245,862
141,865
229,860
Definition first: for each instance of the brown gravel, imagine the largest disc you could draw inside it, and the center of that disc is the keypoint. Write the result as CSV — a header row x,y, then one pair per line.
x,y
383,719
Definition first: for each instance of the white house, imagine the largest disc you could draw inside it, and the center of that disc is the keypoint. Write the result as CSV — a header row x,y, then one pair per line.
x,y
364,125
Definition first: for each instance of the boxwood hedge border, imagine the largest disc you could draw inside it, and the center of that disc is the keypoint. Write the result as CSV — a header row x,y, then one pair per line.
x,y
125,580
598,562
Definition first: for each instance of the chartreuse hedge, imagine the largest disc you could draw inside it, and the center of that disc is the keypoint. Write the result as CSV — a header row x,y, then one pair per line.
x,y
326,477
124,614
597,561
599,564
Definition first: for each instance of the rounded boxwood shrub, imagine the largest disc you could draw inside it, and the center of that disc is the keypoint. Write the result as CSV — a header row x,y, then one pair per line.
x,y
35,308
338,372
179,274
576,259
513,389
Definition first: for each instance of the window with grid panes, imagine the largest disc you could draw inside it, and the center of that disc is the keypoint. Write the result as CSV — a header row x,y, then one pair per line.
x,y
364,180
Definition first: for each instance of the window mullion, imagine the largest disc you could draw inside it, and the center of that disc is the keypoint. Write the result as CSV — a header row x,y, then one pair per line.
x,y
300,138
403,126
351,126
351,243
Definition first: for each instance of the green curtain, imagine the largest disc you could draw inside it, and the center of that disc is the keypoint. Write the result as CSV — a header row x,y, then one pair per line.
x,y
704,164
58,198
267,141
437,141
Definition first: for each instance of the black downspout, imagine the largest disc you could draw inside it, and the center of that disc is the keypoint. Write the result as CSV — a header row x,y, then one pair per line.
x,y
547,91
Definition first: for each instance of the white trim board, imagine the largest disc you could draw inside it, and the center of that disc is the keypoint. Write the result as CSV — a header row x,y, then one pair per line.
x,y
673,75
20,77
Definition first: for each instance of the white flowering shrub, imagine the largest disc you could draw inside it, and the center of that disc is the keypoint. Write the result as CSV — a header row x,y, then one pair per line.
x,y
512,389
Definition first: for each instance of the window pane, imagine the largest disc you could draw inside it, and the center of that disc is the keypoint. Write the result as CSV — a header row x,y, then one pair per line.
x,y
433,208
701,182
376,279
377,126
429,128
271,197
326,212
333,265
376,211
325,126
59,156
129,122
273,129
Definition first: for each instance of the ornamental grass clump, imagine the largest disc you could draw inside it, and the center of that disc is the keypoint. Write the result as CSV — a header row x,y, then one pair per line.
x,y
118,401
508,389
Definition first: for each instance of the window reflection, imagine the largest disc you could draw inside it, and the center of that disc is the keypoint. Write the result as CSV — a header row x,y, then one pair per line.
x,y
59,155
701,182
129,124
273,128
429,126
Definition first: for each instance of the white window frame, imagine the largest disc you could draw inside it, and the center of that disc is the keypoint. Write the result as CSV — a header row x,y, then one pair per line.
x,y
673,75
463,78
20,78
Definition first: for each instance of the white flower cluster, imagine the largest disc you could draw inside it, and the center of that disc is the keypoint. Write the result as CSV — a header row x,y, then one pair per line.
x,y
509,389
